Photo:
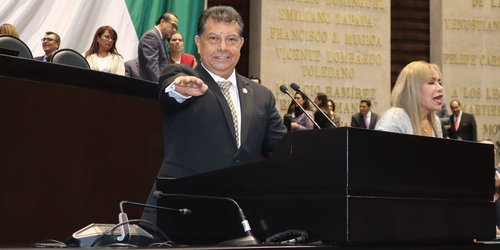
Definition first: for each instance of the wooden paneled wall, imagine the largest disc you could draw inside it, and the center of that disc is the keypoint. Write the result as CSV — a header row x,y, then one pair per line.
x,y
410,34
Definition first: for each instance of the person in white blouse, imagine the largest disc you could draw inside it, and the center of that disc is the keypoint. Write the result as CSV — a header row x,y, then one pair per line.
x,y
416,96
102,54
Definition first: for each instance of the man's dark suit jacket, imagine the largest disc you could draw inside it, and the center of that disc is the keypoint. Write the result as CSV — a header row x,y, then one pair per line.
x,y
152,55
467,129
40,58
199,133
357,120
132,68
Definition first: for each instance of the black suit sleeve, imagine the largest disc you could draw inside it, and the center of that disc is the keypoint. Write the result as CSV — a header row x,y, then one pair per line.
x,y
169,105
275,128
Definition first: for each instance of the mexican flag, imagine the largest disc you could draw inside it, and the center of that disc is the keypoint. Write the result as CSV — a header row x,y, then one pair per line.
x,y
77,20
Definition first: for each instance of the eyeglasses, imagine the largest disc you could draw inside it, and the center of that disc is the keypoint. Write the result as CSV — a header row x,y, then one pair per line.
x,y
48,39
230,40
109,38
172,25
176,40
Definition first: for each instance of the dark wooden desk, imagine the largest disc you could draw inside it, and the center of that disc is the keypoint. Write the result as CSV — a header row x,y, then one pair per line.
x,y
74,143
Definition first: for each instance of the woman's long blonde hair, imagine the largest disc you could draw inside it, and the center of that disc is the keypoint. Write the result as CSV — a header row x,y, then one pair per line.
x,y
406,93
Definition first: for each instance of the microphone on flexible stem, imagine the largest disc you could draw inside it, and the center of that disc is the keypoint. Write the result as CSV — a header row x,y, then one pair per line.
x,y
123,218
249,239
284,89
297,88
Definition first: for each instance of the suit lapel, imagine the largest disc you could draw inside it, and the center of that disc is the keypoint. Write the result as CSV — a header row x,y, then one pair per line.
x,y
215,89
246,104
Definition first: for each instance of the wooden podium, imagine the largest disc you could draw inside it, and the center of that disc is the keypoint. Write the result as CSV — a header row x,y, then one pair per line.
x,y
346,186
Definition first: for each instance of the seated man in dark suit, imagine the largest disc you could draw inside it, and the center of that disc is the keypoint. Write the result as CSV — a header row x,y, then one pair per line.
x,y
50,43
463,125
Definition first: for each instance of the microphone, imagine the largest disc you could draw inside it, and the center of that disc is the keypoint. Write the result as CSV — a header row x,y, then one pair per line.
x,y
123,218
249,239
297,88
284,89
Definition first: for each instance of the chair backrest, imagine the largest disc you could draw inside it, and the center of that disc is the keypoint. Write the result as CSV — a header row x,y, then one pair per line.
x,y
69,57
13,46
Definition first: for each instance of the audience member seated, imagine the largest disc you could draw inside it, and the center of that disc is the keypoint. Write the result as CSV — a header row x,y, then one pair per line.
x,y
365,118
298,119
322,101
331,109
50,43
176,44
102,54
9,29
416,96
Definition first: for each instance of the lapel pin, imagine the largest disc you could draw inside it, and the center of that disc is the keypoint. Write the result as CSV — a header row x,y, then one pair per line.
x,y
244,90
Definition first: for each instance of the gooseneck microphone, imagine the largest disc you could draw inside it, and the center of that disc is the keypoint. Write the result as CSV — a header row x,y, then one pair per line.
x,y
296,87
123,218
248,240
284,89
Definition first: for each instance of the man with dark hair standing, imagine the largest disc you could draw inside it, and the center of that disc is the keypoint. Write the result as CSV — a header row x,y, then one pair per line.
x,y
213,117
365,118
50,43
463,125
152,54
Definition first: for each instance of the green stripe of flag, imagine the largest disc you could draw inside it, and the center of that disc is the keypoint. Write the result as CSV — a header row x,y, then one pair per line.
x,y
144,14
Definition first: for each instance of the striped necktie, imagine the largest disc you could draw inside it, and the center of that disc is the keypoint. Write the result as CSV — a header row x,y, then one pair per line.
x,y
224,86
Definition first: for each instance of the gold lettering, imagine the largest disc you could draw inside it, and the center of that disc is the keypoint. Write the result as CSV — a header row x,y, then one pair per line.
x,y
463,59
472,93
327,71
335,37
296,34
477,3
491,129
369,4
490,60
472,24
295,54
354,20
304,1
304,15
353,57
483,109
362,39
493,93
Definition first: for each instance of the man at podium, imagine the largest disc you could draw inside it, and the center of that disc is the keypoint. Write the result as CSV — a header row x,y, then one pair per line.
x,y
213,117
205,127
